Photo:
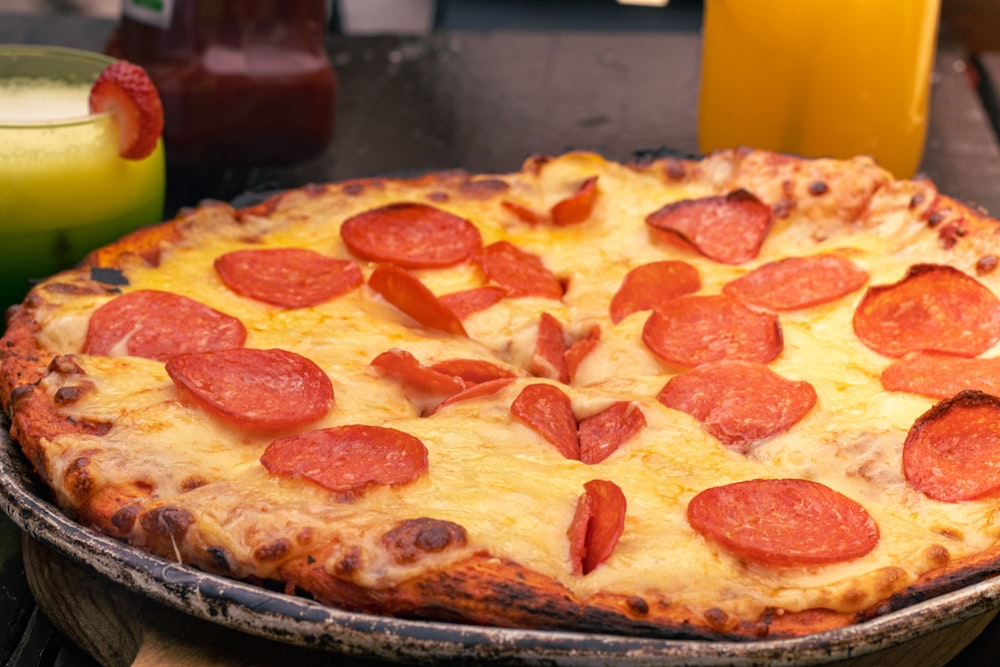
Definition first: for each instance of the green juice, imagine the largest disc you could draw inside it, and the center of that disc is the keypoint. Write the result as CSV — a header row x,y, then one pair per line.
x,y
64,190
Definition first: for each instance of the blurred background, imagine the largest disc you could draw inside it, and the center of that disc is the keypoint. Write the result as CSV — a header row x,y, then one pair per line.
x,y
421,16
976,22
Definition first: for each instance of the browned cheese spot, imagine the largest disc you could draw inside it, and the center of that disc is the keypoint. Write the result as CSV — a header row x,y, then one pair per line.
x,y
71,393
77,481
273,551
637,604
166,521
124,518
987,264
64,364
349,564
193,482
718,620
817,188
413,538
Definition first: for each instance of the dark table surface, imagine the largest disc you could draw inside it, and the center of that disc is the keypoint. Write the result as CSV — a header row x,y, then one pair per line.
x,y
484,101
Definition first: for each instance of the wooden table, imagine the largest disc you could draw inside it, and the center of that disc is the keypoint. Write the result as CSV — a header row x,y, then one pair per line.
x,y
485,101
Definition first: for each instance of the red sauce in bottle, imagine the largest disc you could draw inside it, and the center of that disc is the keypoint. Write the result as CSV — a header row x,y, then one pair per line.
x,y
243,82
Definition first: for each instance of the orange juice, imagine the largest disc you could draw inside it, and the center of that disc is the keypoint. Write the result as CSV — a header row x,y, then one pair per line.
x,y
64,190
819,78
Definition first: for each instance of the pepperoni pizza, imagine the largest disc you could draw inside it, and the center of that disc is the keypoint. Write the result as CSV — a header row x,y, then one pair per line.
x,y
744,396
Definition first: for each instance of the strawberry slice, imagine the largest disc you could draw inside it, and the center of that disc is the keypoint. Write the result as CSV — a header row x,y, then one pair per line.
x,y
126,91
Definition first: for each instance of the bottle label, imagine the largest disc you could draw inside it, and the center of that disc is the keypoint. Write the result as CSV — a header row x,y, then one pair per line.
x,y
156,13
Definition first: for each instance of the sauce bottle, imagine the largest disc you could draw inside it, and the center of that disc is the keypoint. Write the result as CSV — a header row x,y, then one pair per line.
x,y
244,83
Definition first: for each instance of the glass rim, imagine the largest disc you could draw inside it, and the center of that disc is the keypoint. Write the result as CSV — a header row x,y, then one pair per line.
x,y
53,52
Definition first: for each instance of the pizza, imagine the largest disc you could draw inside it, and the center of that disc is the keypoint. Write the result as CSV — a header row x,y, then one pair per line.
x,y
742,396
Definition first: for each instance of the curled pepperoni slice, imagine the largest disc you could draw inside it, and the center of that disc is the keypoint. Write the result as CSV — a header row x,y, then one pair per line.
x,y
415,376
414,236
798,282
519,272
473,300
598,524
264,389
348,458
942,375
729,229
523,213
479,390
287,277
445,382
577,207
405,291
933,308
739,402
603,433
784,522
581,348
952,452
649,286
548,411
159,325
472,371
549,360
695,329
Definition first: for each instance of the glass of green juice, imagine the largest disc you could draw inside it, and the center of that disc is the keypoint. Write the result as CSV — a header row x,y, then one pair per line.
x,y
64,189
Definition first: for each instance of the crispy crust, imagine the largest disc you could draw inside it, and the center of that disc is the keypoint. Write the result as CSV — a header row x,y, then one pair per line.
x,y
507,594
477,587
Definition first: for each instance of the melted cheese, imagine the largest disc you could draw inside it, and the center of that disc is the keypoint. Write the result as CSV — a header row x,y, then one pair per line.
x,y
514,493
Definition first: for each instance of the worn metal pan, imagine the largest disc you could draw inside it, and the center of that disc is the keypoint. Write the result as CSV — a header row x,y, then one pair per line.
x,y
925,634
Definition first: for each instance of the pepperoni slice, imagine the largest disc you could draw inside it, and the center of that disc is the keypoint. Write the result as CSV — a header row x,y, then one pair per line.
x,y
942,375
649,286
415,376
952,452
414,236
577,207
405,291
695,329
287,277
472,371
159,325
473,300
598,524
729,229
519,272
479,390
933,308
549,360
784,522
581,348
798,282
264,389
348,458
739,402
603,433
548,411
523,213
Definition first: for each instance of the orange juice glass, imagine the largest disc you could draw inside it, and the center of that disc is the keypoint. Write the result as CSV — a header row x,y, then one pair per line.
x,y
819,78
64,190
